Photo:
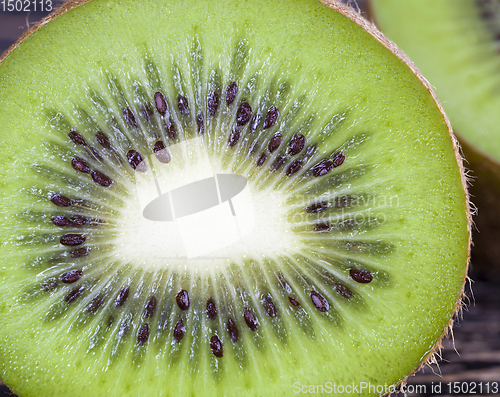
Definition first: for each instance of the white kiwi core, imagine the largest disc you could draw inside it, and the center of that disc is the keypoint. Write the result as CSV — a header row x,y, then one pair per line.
x,y
192,214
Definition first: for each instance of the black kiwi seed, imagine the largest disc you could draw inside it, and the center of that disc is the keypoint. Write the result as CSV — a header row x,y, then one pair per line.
x,y
134,158
129,117
232,330
293,301
343,291
212,103
72,239
143,335
71,276
244,114
74,294
77,138
319,302
234,136
250,320
95,304
211,309
79,252
278,162
232,90
103,140
317,207
275,142
343,201
159,145
101,179
261,160
160,103
338,159
294,167
322,168
485,14
80,165
122,297
179,330
361,276
60,220
201,123
150,307
216,346
269,306
296,144
182,103
60,200
182,300
322,227
271,117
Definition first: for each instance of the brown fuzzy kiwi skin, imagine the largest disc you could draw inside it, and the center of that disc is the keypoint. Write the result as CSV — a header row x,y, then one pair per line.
x,y
370,28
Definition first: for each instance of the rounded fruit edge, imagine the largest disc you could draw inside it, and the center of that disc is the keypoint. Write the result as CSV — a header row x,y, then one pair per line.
x,y
370,27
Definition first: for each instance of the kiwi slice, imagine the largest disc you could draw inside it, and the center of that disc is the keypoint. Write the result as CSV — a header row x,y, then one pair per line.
x,y
222,197
455,43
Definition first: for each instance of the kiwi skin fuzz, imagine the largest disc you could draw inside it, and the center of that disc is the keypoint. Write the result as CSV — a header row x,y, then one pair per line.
x,y
373,30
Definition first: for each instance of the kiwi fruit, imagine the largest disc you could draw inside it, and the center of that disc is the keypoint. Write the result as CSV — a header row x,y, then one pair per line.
x,y
222,197
455,43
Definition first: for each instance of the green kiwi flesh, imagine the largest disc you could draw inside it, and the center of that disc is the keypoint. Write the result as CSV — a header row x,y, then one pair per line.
x,y
349,254
455,43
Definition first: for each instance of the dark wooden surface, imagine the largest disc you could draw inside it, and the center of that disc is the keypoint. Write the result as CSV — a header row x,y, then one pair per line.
x,y
13,24
475,355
